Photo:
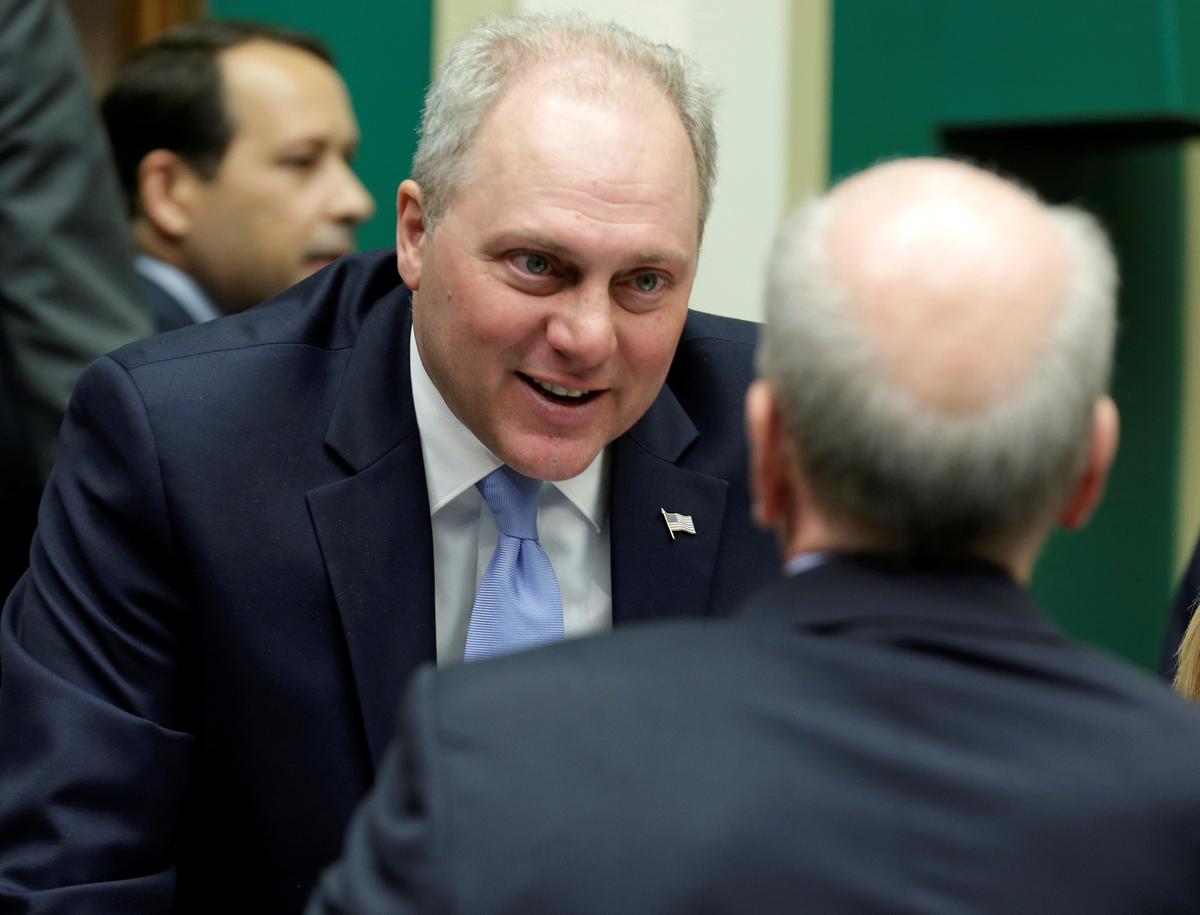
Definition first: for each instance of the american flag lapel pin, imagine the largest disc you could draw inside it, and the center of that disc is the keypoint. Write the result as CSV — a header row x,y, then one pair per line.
x,y
677,523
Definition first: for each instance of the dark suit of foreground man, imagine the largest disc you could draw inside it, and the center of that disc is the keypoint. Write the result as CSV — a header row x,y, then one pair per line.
x,y
238,561
893,728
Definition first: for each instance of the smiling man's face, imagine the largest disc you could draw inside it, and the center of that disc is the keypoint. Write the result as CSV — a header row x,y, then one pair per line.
x,y
550,296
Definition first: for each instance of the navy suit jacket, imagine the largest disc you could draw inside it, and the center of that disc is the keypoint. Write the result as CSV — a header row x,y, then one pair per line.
x,y
864,738
232,581
165,308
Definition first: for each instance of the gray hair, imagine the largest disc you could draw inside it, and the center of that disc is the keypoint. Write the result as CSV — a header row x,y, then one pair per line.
x,y
484,64
874,455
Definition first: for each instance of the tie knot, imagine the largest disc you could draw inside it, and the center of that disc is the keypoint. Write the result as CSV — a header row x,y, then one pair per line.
x,y
513,499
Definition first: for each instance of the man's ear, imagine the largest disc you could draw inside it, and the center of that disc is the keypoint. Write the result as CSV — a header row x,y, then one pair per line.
x,y
1102,450
168,190
770,477
410,233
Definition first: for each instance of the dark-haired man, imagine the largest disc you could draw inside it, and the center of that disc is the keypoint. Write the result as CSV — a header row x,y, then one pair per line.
x,y
233,142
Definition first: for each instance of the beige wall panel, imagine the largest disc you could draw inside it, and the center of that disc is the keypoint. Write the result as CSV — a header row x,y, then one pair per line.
x,y
808,160
453,17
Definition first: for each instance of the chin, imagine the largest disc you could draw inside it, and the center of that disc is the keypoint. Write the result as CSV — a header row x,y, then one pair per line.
x,y
312,265
547,462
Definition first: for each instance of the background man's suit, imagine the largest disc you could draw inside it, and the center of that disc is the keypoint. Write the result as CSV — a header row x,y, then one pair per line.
x,y
67,290
233,578
167,312
864,738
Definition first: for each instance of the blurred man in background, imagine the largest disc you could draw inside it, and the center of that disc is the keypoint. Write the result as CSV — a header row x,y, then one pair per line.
x,y
67,291
234,143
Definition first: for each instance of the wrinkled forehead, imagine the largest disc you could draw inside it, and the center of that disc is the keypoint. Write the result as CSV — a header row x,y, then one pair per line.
x,y
604,87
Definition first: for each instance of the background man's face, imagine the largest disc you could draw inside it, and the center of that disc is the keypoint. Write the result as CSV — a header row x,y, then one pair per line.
x,y
284,201
551,295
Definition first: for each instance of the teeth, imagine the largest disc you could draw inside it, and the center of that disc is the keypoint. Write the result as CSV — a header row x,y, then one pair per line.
x,y
559,389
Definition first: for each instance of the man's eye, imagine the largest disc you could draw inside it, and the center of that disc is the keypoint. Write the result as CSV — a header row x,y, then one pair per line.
x,y
535,264
647,282
300,163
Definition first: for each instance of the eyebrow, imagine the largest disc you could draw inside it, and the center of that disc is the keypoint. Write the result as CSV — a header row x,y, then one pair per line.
x,y
318,138
552,246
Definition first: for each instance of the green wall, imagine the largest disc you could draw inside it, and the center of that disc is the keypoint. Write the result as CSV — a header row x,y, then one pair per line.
x,y
904,71
1089,102
382,49
1112,583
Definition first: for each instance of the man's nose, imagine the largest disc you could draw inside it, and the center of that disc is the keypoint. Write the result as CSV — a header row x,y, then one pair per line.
x,y
350,201
581,327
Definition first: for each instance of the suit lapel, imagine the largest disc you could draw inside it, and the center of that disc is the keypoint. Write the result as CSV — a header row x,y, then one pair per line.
x,y
654,575
373,526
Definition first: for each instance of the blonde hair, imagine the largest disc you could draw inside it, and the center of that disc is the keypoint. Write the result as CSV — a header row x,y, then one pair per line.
x,y
1187,673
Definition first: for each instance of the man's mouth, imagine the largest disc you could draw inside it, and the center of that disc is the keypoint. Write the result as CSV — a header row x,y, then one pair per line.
x,y
557,392
328,248
324,258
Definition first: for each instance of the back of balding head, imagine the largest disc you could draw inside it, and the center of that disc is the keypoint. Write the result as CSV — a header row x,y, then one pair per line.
x,y
937,338
954,275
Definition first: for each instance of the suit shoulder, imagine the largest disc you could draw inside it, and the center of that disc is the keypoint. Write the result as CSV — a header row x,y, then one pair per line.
x,y
714,349
1146,702
702,326
613,672
713,366
324,311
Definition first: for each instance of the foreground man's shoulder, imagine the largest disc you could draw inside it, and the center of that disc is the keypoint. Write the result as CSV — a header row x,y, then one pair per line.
x,y
326,311
701,326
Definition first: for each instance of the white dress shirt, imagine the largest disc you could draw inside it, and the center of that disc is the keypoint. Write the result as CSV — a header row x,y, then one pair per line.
x,y
186,291
572,524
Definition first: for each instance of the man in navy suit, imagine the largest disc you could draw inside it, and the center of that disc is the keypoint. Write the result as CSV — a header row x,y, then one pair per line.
x,y
894,727
260,526
233,141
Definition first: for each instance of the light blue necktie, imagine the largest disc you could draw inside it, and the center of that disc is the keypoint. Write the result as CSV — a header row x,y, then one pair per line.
x,y
517,605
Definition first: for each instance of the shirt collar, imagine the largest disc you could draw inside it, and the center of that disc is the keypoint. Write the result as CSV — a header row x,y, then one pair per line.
x,y
182,288
803,562
456,460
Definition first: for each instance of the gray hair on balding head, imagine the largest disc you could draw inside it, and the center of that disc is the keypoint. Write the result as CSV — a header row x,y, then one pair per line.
x,y
930,481
482,66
